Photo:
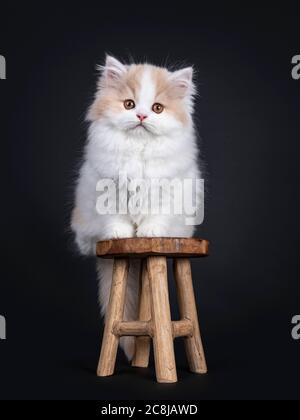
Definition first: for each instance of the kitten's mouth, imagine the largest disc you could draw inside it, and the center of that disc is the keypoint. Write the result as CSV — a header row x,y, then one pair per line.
x,y
140,128
141,125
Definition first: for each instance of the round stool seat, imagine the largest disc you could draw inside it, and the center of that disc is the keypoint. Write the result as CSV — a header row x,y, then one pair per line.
x,y
146,247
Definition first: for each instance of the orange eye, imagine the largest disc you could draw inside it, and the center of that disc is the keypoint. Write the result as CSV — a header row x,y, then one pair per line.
x,y
158,108
129,104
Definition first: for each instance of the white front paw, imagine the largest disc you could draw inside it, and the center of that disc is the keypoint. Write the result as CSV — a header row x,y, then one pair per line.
x,y
120,230
151,230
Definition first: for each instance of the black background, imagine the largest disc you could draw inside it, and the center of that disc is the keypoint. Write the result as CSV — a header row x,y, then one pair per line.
x,y
248,118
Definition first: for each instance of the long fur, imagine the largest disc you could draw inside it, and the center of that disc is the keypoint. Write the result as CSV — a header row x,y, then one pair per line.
x,y
164,148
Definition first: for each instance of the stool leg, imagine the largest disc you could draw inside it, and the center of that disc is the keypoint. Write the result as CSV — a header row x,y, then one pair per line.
x,y
114,313
142,352
188,309
161,319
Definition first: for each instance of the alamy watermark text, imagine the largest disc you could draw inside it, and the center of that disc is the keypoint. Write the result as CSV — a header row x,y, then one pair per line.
x,y
2,328
296,327
296,67
167,197
2,67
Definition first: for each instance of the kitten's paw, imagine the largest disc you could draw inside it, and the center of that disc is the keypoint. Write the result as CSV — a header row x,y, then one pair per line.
x,y
151,230
120,230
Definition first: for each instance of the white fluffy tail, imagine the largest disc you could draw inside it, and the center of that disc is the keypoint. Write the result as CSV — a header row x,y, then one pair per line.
x,y
104,269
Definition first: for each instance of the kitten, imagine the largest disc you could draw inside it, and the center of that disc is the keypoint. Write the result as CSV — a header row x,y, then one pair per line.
x,y
140,124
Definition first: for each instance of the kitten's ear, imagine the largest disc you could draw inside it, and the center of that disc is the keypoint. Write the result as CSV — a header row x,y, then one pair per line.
x,y
112,71
182,82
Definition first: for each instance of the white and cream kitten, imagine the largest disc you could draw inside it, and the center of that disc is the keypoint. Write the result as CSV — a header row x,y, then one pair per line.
x,y
140,124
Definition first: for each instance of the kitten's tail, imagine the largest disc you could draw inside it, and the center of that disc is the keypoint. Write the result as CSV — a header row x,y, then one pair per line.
x,y
104,269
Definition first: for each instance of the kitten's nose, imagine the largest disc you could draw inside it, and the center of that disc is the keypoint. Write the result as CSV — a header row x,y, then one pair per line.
x,y
141,117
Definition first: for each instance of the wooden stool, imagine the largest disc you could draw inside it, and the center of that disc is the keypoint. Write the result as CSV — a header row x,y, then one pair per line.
x,y
154,307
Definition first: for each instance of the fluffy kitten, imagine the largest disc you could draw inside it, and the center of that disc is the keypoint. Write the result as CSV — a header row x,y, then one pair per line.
x,y
140,124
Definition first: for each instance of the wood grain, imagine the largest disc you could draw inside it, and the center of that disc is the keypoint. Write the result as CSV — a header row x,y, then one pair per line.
x,y
164,356
143,329
143,344
188,310
154,320
183,328
115,312
133,328
144,247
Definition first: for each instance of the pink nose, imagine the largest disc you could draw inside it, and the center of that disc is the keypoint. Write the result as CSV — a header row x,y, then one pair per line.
x,y
141,117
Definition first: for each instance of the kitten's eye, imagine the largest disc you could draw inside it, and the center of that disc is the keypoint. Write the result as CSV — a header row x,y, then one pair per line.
x,y
158,108
129,104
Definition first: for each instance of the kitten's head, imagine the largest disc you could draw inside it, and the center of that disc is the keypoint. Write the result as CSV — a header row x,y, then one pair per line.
x,y
143,99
